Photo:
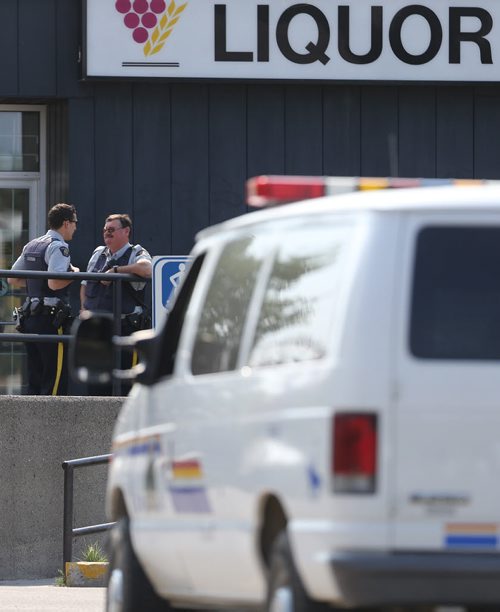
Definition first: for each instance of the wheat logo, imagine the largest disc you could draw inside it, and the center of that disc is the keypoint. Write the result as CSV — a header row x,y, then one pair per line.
x,y
151,22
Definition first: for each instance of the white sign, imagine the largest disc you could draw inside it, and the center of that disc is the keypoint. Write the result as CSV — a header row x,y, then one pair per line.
x,y
168,271
389,40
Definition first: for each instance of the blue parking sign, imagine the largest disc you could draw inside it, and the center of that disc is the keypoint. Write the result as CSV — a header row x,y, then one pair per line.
x,y
168,271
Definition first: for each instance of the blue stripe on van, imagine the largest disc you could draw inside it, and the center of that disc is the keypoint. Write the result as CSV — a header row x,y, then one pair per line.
x,y
471,541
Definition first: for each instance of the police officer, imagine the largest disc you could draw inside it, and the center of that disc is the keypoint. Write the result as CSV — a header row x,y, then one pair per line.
x,y
46,309
118,255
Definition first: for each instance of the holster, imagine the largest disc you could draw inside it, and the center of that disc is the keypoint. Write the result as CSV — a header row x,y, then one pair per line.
x,y
36,308
18,317
20,314
62,314
138,320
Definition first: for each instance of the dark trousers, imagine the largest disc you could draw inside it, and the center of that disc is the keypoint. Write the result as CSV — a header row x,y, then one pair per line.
x,y
47,361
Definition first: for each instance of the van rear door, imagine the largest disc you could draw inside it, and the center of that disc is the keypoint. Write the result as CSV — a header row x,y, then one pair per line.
x,y
446,433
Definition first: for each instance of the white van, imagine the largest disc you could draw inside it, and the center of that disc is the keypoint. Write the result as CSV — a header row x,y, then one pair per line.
x,y
318,422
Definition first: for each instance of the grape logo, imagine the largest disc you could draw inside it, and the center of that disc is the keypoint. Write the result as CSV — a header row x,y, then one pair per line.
x,y
151,22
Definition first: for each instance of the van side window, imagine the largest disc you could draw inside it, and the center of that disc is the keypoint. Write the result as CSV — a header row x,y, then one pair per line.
x,y
455,309
301,295
171,331
223,314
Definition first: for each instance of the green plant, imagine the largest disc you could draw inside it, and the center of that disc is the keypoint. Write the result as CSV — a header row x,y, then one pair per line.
x,y
60,579
94,553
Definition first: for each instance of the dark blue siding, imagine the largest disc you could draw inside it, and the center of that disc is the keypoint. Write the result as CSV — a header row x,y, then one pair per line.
x,y
265,129
9,52
152,192
455,132
190,164
37,47
303,130
342,130
486,133
68,35
227,151
379,131
82,190
417,132
113,149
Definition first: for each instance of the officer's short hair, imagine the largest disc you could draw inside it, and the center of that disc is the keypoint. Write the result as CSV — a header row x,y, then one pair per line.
x,y
123,218
60,213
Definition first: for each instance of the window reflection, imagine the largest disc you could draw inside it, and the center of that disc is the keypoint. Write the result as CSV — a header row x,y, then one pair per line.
x,y
291,272
223,315
301,296
14,233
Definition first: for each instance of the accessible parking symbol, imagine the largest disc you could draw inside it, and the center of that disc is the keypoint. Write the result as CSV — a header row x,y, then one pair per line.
x,y
168,271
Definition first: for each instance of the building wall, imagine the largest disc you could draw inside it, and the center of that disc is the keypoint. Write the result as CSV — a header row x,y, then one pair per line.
x,y
176,155
37,435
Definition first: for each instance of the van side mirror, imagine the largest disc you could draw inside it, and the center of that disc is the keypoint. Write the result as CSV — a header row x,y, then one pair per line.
x,y
91,355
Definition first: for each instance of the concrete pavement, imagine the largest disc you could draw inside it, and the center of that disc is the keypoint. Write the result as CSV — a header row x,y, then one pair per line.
x,y
45,596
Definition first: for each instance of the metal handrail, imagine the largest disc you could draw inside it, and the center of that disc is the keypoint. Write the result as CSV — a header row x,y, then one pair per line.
x,y
68,530
117,280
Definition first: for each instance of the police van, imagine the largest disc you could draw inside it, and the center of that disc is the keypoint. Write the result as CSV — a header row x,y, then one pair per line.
x,y
317,423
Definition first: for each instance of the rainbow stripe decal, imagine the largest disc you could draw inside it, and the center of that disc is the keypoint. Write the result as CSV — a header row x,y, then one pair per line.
x,y
471,535
146,445
187,487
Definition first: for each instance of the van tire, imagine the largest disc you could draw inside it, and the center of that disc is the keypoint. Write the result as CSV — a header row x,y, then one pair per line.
x,y
285,592
129,589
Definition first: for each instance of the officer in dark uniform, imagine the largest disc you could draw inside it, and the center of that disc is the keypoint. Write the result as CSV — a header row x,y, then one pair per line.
x,y
46,309
118,255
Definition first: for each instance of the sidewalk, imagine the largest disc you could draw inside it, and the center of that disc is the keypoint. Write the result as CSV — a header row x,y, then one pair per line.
x,y
45,596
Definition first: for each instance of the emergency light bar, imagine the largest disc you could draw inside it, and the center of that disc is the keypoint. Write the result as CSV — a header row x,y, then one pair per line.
x,y
264,191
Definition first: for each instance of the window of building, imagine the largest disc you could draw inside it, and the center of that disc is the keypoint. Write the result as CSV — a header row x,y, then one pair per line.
x,y
22,216
19,141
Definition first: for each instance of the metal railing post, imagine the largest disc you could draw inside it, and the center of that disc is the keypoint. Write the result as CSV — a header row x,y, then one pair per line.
x,y
117,313
68,513
69,532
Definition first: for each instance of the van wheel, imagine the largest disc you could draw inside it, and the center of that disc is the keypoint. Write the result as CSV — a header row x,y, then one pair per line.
x,y
129,589
285,592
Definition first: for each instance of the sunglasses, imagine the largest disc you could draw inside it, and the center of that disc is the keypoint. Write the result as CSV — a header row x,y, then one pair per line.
x,y
110,230
75,221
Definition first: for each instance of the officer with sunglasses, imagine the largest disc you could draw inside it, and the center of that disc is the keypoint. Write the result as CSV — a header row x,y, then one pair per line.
x,y
47,309
118,255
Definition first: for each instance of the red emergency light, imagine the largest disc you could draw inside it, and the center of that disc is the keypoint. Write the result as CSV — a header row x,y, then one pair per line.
x,y
271,190
268,190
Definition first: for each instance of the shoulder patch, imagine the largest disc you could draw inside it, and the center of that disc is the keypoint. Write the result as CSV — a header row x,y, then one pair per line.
x,y
139,251
65,251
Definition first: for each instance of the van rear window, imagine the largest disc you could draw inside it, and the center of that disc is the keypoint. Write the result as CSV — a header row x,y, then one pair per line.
x,y
455,311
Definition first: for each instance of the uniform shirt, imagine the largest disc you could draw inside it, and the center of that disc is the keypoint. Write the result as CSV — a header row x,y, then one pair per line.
x,y
138,252
56,257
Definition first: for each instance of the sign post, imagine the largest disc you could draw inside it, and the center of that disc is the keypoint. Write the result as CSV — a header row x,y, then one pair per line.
x,y
168,271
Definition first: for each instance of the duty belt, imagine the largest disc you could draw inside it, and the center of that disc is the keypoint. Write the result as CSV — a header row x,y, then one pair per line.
x,y
50,309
